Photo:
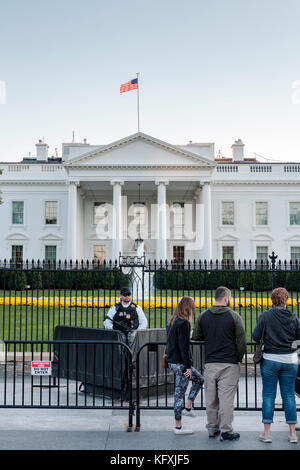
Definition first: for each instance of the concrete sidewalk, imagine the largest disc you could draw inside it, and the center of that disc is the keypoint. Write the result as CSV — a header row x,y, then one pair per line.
x,y
53,429
99,429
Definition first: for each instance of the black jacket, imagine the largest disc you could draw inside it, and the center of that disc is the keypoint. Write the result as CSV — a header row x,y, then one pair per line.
x,y
178,346
223,334
282,329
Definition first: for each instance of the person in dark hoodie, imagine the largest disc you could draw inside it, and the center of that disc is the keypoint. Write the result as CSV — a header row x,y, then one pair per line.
x,y
224,338
179,359
280,361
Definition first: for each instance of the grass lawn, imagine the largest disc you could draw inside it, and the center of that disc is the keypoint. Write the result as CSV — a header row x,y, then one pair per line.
x,y
36,323
29,322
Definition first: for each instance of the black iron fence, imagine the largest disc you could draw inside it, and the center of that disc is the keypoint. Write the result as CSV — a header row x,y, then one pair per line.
x,y
156,391
37,296
68,374
105,375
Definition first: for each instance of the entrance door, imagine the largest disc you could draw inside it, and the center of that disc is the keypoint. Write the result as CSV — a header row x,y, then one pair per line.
x,y
99,253
178,256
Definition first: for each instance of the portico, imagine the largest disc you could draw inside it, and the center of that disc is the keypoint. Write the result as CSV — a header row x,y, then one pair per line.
x,y
109,215
173,212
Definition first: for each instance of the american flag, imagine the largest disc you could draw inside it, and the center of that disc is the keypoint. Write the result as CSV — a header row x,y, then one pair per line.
x,y
131,85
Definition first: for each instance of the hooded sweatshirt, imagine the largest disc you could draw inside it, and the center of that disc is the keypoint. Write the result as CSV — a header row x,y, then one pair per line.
x,y
282,330
223,334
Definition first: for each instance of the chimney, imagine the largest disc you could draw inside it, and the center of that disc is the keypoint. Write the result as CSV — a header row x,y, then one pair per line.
x,y
238,151
42,150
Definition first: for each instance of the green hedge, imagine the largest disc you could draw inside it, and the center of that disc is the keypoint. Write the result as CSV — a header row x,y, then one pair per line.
x,y
252,281
75,280
173,280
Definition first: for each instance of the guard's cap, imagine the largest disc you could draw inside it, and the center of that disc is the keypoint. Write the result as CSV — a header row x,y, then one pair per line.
x,y
125,291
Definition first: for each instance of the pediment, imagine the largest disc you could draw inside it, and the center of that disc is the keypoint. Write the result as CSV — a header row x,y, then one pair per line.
x,y
228,238
17,236
51,237
293,238
140,150
262,237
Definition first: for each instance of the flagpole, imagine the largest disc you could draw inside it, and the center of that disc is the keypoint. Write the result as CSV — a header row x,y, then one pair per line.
x,y
138,100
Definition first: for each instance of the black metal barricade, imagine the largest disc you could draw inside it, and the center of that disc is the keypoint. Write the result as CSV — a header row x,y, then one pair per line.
x,y
50,375
248,397
106,373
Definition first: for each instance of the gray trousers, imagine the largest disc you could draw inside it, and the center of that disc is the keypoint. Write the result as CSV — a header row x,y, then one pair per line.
x,y
221,382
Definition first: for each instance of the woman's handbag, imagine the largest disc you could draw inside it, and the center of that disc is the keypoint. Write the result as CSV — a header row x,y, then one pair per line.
x,y
164,362
258,355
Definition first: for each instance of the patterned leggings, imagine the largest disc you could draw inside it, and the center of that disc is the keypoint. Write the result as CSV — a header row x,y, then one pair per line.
x,y
181,385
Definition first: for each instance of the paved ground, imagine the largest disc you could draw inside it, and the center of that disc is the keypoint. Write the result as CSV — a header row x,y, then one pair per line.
x,y
96,429
52,429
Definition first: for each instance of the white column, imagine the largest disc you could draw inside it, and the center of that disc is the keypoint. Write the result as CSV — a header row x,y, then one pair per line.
x,y
72,221
207,241
117,220
161,244
199,224
81,249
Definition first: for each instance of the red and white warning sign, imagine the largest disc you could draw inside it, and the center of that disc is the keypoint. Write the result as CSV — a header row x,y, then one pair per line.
x,y
41,368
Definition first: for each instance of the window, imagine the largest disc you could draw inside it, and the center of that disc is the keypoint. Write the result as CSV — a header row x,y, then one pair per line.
x,y
261,214
100,213
262,254
139,212
294,213
99,253
138,220
295,254
50,253
227,213
178,219
178,210
178,256
51,213
17,254
228,255
18,212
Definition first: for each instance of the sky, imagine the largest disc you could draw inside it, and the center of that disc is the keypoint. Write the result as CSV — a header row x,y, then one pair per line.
x,y
210,71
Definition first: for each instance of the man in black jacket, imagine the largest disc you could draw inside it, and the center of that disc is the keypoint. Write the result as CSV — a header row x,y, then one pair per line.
x,y
224,338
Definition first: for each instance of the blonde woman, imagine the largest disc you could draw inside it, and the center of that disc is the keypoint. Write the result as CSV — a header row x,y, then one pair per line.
x,y
179,358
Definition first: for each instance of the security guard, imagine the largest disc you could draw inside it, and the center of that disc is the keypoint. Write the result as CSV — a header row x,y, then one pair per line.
x,y
126,317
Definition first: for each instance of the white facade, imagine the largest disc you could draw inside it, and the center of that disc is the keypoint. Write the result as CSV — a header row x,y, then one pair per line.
x,y
181,200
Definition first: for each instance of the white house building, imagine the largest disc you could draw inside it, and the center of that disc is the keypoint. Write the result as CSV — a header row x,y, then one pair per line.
x,y
182,200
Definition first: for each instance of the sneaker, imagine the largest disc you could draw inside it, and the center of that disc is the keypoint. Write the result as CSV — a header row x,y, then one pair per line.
x,y
265,438
213,432
229,436
183,431
293,439
191,413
